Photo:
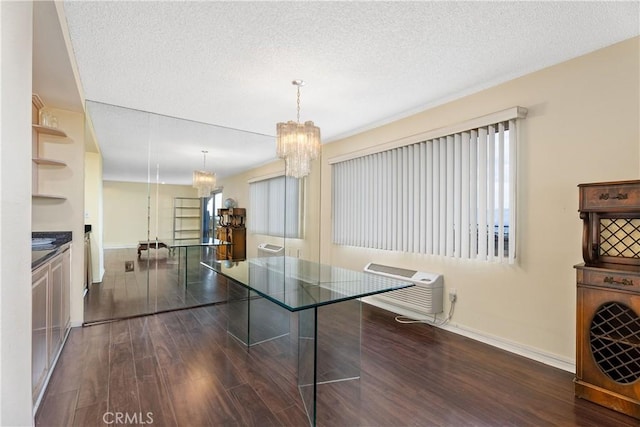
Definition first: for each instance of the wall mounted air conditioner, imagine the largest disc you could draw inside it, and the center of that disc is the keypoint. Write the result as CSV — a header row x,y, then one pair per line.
x,y
426,297
267,249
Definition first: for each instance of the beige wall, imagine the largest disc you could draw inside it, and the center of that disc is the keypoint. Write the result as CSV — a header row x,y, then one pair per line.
x,y
67,215
93,213
125,211
582,126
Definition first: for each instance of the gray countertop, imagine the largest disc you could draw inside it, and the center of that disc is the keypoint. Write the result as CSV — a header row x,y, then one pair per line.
x,y
41,254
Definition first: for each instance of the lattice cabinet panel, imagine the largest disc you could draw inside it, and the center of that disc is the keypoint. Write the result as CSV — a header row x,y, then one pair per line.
x,y
620,237
615,342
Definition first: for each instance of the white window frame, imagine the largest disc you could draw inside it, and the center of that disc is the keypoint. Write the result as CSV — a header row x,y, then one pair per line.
x,y
426,193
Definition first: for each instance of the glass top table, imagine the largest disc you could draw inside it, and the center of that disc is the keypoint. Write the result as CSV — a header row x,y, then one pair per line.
x,y
206,241
264,293
296,284
180,244
171,244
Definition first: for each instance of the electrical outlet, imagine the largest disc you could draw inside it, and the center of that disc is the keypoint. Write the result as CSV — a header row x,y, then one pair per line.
x,y
453,295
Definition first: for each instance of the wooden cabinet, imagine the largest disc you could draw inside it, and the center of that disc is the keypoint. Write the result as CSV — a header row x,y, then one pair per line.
x,y
232,229
608,297
50,288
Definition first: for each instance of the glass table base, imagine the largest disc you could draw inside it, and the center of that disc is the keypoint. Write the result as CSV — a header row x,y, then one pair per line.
x,y
328,338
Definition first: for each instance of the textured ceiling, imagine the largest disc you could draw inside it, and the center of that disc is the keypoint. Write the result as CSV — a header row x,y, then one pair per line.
x,y
365,63
53,78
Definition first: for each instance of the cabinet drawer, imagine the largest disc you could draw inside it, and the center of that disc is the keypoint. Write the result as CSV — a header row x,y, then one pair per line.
x,y
624,196
612,279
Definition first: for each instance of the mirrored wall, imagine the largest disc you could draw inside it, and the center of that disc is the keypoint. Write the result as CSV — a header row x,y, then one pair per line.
x,y
158,236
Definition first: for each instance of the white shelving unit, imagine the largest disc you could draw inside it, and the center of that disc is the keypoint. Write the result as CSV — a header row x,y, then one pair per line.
x,y
186,218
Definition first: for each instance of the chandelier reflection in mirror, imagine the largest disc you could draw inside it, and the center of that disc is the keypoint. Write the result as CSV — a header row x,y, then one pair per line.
x,y
298,144
204,181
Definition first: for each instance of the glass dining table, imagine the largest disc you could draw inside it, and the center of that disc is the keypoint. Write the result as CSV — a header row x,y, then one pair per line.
x,y
263,294
183,246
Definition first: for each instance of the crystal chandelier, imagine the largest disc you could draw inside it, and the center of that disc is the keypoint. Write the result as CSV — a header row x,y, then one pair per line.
x,y
204,181
298,144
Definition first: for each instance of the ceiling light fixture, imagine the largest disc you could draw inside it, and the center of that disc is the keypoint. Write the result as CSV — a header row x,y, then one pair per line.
x,y
204,181
298,143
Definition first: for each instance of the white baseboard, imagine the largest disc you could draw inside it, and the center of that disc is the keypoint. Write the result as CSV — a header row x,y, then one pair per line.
x,y
122,246
536,354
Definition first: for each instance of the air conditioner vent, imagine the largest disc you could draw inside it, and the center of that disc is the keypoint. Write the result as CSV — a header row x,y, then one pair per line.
x,y
394,271
426,297
267,249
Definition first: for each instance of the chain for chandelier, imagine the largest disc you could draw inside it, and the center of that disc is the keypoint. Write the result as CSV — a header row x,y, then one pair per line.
x,y
301,83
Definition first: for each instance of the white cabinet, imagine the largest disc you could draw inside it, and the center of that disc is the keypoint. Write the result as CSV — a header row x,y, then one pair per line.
x,y
59,302
39,336
50,287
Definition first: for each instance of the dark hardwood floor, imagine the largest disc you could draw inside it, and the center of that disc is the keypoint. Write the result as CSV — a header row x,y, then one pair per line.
x,y
183,368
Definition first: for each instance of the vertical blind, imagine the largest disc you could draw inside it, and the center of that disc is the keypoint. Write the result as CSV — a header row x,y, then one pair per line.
x,y
275,207
452,196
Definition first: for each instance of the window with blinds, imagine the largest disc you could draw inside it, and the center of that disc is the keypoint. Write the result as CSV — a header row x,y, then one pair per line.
x,y
275,207
451,195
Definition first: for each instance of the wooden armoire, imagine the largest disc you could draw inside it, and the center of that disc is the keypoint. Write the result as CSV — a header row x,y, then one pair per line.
x,y
232,229
608,292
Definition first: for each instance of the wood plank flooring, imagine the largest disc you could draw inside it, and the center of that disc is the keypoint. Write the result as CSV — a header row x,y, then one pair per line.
x,y
155,284
182,368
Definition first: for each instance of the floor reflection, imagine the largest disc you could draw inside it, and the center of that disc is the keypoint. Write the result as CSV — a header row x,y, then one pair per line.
x,y
155,284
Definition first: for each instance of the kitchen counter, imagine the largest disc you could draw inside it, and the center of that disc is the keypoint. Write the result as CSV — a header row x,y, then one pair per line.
x,y
41,254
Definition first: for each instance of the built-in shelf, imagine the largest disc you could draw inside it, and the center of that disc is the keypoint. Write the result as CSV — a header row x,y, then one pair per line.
x,y
50,162
38,139
47,196
47,130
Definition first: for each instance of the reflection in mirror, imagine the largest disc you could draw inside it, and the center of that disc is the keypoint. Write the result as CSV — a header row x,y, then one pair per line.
x,y
153,221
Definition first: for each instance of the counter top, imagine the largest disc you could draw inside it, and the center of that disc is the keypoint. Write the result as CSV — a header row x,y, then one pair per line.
x,y
41,254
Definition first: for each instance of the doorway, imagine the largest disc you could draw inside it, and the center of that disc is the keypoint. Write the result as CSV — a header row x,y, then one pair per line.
x,y
210,218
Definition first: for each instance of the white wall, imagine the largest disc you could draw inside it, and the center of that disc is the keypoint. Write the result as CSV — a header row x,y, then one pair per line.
x,y
15,224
